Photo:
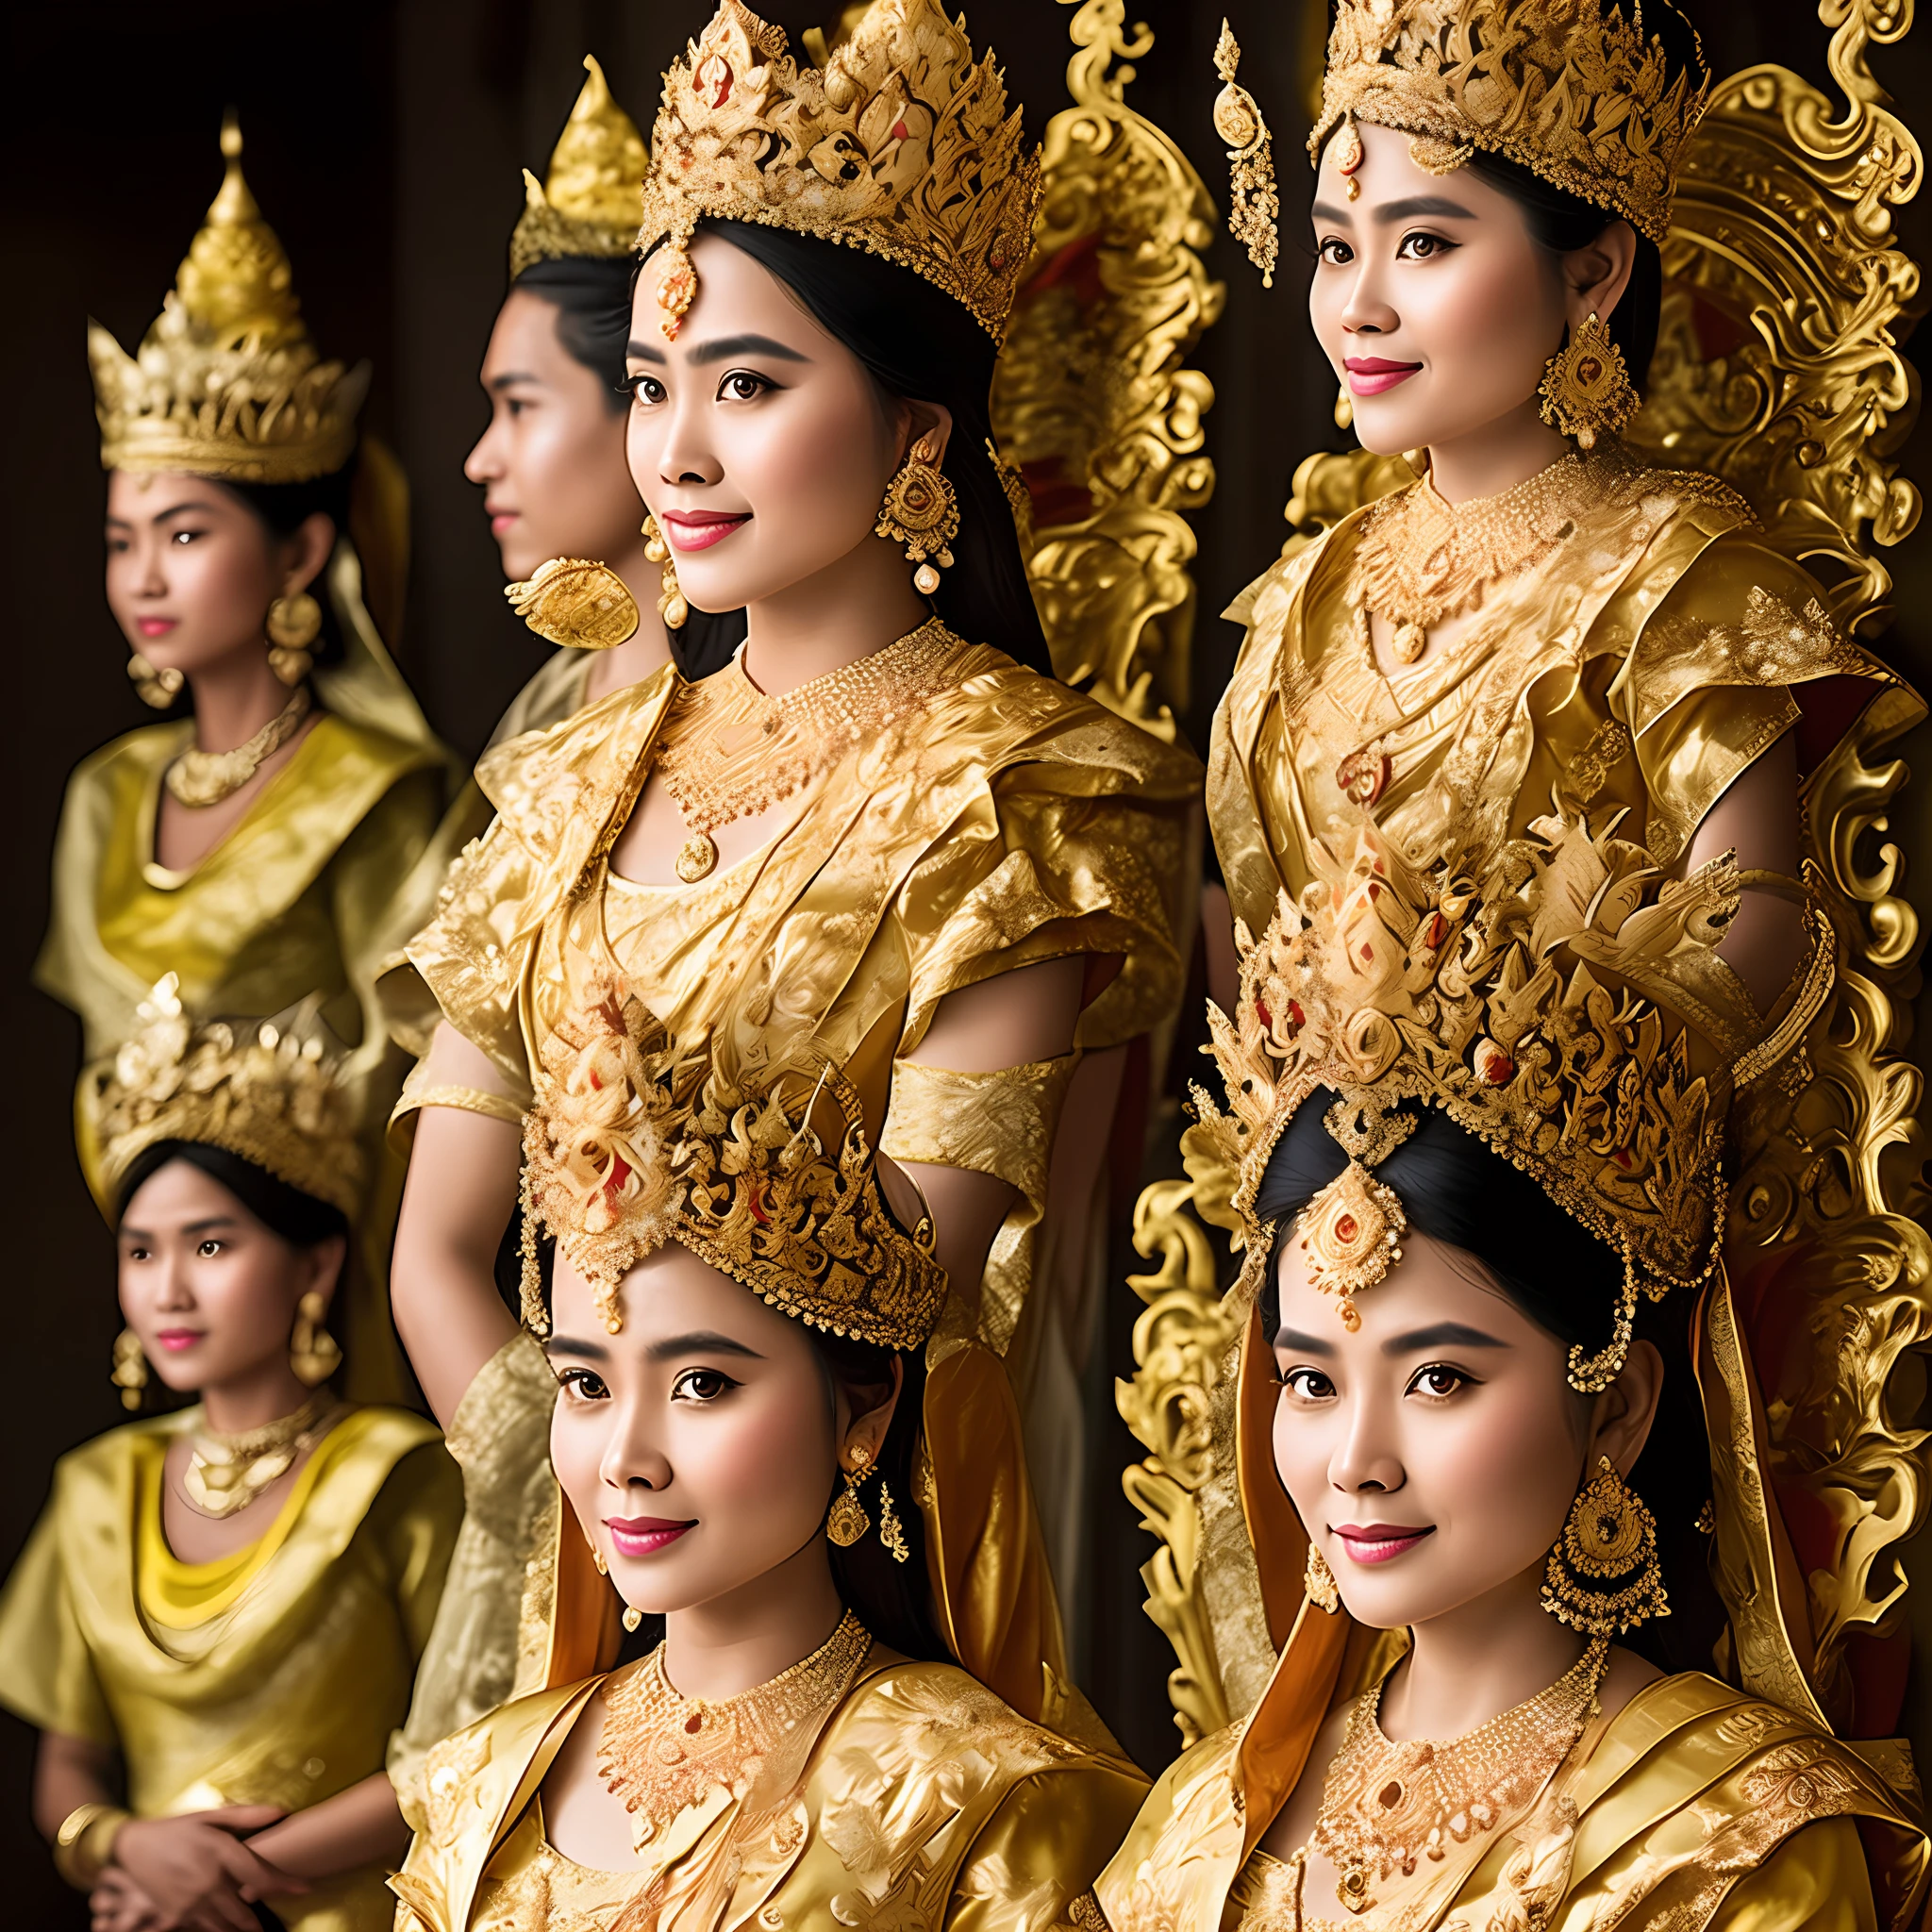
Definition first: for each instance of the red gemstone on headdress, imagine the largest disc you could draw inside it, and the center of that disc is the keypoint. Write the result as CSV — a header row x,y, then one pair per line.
x,y
620,1173
1346,1228
1439,929
1295,1014
1499,1070
1267,1018
1623,1157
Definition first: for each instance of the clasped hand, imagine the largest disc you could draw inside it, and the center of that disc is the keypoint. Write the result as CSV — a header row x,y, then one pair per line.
x,y
190,1874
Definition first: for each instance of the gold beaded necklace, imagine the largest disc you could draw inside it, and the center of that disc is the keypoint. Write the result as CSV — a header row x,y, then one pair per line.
x,y
1385,1807
727,751
662,1753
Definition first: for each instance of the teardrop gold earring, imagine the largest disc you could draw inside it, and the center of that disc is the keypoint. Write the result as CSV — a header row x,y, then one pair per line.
x,y
921,512
1603,1577
671,607
847,1522
1586,388
312,1351
1319,1581
292,625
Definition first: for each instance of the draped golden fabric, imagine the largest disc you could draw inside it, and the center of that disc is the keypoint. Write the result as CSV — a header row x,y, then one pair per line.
x,y
277,1682
925,1802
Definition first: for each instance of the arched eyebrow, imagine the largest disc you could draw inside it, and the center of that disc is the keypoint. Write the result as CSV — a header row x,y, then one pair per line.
x,y
700,1341
1441,1335
1297,1343
1419,206
728,348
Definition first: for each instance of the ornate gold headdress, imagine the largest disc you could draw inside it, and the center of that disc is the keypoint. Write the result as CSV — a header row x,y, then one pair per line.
x,y
226,382
1575,93
273,1096
630,1144
901,146
588,205
1570,1010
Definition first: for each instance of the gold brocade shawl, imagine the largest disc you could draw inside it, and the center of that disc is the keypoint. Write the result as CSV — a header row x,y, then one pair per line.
x,y
924,1803
1645,663
274,1677
1695,1806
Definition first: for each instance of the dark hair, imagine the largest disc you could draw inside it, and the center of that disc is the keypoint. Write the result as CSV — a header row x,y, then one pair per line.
x,y
1561,220
592,295
1566,1279
283,509
299,1219
919,344
891,1598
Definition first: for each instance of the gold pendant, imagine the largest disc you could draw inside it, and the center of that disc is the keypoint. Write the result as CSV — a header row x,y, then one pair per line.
x,y
1411,641
695,858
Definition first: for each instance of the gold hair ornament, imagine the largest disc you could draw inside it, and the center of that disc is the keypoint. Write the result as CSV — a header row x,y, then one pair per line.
x,y
575,602
922,512
589,204
270,1095
1586,390
901,145
227,382
1603,1577
1578,94
1254,206
1350,1236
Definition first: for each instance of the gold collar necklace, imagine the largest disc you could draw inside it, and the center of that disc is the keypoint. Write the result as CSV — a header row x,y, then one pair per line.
x,y
727,751
227,1472
1420,559
1385,1807
206,777
662,1753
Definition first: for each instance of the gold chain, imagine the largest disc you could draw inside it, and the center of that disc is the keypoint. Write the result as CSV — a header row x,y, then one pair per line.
x,y
662,1754
1385,1807
1420,559
227,1472
206,777
727,751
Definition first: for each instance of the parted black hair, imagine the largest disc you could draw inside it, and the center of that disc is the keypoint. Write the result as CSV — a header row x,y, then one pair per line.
x,y
592,296
300,1219
1566,1279
921,344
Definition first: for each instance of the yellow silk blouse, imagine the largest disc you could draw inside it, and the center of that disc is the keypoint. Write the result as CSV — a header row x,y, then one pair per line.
x,y
1645,663
1694,1806
924,1803
272,1676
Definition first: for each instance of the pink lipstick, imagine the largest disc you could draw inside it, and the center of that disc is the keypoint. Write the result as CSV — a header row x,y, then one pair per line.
x,y
699,529
1378,1542
1372,376
156,626
645,1535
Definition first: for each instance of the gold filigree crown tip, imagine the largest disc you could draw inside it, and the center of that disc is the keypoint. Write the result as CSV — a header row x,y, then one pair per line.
x,y
226,381
270,1092
630,1144
1578,95
588,205
901,145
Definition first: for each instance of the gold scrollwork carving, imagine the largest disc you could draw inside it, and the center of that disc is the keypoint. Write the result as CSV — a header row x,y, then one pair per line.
x,y
1091,397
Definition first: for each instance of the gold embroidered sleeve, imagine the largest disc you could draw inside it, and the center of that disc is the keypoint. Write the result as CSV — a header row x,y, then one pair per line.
x,y
1816,1880
500,1437
999,1124
1709,686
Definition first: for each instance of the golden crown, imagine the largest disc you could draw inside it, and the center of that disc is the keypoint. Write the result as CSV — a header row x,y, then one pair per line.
x,y
271,1095
630,1144
1576,94
901,145
589,205
1570,1010
226,382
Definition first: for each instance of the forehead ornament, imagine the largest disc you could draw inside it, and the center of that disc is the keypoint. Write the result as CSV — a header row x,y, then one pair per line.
x,y
1350,1236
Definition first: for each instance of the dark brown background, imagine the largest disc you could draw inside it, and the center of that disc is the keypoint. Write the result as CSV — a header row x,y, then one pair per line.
x,y
384,142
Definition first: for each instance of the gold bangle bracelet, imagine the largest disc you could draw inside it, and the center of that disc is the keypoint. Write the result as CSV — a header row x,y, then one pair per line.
x,y
85,1843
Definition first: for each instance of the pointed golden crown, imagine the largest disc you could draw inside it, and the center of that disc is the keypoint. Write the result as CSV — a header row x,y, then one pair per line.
x,y
901,145
1573,93
589,205
226,382
1570,1010
271,1094
630,1144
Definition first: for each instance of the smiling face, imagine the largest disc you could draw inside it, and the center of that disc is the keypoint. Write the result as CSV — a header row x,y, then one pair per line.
x,y
760,442
552,461
700,1445
191,569
1435,305
1432,1452
210,1290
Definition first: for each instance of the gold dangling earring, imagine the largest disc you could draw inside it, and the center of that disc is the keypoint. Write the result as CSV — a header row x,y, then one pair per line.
x,y
292,625
632,1616
671,604
922,512
1586,388
130,1368
891,1531
157,688
1319,1581
847,1521
1608,1536
312,1351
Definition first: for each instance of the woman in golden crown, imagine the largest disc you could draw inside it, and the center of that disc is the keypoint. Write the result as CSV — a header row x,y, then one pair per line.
x,y
1507,782
216,1622
885,826
255,849
735,1321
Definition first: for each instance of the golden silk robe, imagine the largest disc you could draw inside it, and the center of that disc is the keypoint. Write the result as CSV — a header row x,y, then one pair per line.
x,y
1694,1806
924,1803
271,1676
1008,821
